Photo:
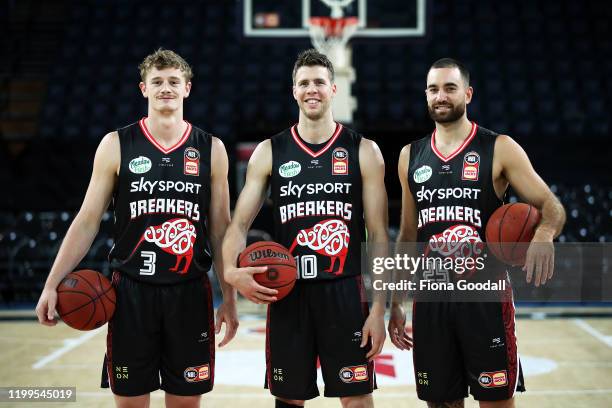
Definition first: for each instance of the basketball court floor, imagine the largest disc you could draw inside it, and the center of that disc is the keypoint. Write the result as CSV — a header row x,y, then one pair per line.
x,y
567,362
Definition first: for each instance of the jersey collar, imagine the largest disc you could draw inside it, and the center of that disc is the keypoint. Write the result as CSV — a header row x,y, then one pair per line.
x,y
305,148
458,150
155,143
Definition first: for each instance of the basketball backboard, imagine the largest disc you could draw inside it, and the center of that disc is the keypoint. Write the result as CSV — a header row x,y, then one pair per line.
x,y
291,18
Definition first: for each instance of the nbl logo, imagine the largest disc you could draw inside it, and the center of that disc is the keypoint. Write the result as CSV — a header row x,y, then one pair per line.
x,y
191,162
340,154
471,166
340,161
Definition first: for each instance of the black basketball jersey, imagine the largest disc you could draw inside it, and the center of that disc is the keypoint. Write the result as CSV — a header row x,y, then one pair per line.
x,y
161,203
318,209
454,195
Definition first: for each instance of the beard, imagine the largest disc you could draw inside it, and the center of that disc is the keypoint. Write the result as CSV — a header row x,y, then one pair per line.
x,y
452,115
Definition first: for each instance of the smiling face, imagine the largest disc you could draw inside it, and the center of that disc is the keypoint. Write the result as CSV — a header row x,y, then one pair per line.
x,y
165,89
313,91
447,94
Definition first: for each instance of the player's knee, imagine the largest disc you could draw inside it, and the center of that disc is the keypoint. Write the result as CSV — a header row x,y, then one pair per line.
x,y
182,401
287,403
509,403
140,401
357,401
456,403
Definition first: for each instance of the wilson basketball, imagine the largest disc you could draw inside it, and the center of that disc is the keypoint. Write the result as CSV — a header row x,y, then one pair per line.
x,y
282,270
85,299
509,231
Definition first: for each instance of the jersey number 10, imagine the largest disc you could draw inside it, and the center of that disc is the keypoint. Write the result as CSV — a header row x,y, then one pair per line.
x,y
306,266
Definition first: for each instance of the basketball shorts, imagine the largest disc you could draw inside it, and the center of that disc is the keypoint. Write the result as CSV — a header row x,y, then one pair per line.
x,y
319,323
460,346
161,336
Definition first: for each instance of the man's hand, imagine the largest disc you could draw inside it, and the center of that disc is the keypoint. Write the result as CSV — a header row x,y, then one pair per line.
x,y
45,309
227,313
540,259
374,327
397,328
242,280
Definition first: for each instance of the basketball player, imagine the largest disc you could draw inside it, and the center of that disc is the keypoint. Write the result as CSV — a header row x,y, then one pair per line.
x,y
325,179
466,345
168,183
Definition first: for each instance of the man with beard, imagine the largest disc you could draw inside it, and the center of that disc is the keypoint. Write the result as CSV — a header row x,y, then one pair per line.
x,y
466,345
325,181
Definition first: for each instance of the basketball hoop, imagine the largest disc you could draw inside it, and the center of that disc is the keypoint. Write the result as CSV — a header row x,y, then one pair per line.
x,y
330,36
336,7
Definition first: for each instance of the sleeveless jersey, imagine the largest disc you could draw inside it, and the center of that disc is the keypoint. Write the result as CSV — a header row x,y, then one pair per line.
x,y
161,203
318,209
454,195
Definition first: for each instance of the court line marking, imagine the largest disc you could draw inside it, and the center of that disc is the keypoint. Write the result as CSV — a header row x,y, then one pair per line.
x,y
607,340
69,344
263,394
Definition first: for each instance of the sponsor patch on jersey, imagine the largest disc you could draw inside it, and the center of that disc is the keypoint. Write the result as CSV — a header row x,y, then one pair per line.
x,y
340,161
191,162
445,169
140,165
354,374
493,379
290,169
422,174
471,166
197,374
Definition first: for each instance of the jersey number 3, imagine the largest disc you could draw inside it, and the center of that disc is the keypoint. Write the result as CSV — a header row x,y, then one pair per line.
x,y
148,262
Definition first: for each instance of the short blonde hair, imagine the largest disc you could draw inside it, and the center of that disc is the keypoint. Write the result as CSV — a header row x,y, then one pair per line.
x,y
162,59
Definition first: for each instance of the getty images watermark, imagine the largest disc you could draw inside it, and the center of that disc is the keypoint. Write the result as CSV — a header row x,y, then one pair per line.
x,y
476,272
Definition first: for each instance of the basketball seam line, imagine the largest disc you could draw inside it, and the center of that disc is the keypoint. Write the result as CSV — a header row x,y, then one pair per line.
x,y
499,228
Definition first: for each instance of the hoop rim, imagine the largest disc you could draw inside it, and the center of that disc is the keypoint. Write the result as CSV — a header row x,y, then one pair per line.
x,y
344,21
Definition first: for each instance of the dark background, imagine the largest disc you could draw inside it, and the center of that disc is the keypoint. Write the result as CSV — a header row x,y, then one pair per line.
x,y
540,69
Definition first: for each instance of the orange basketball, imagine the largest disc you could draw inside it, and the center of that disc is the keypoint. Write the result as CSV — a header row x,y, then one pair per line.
x,y
85,299
509,231
282,269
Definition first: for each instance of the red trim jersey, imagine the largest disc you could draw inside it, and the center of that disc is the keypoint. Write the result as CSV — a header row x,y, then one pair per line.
x,y
318,209
454,195
161,203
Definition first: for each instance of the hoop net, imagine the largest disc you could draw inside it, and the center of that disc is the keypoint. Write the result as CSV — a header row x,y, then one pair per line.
x,y
330,35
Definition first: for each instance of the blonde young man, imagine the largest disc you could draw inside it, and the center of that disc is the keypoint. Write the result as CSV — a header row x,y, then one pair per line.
x,y
325,179
452,181
168,183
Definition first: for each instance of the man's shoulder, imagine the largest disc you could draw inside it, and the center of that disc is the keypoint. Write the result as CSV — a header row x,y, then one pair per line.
x,y
484,132
199,131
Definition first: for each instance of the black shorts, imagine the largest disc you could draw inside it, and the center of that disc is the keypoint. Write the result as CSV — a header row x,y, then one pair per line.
x,y
162,331
324,320
465,345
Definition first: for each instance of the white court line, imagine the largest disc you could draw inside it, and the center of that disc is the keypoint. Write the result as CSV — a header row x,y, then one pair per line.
x,y
69,344
377,395
607,340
